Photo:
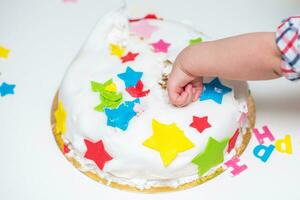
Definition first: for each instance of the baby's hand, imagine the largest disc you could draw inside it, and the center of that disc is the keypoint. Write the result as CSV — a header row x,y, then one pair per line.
x,y
183,87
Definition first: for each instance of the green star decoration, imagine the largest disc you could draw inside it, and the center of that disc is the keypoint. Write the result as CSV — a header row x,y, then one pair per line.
x,y
196,40
212,155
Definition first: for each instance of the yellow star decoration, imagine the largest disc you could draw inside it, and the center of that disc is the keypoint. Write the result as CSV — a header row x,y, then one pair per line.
x,y
60,118
4,52
168,140
117,50
111,87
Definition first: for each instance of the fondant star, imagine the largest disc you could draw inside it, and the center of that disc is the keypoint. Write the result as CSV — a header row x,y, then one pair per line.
x,y
168,140
214,91
121,116
97,153
129,57
6,89
200,123
161,46
212,155
4,52
142,28
232,141
130,77
108,95
148,16
60,119
195,41
117,50
137,91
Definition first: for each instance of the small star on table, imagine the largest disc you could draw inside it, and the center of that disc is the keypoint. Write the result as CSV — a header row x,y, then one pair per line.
x,y
130,77
161,46
200,123
212,155
142,28
168,140
129,57
6,89
214,91
121,116
97,153
4,52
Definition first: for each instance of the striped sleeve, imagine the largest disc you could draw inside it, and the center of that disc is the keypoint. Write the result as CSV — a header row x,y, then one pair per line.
x,y
288,42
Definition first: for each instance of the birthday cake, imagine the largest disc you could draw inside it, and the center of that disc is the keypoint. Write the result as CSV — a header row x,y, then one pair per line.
x,y
113,120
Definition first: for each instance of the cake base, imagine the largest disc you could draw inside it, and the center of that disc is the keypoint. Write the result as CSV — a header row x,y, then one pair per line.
x,y
239,150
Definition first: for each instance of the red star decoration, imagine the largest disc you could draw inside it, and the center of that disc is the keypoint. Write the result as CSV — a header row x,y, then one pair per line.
x,y
149,16
200,123
137,91
232,141
97,153
66,149
129,57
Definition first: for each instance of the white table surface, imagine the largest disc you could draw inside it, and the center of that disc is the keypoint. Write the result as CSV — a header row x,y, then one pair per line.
x,y
44,36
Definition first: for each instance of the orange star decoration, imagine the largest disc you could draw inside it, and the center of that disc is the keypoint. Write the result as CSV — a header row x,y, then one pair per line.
x,y
4,52
60,118
117,50
168,140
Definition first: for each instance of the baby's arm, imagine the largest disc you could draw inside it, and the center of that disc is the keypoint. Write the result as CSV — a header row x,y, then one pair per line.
x,y
252,56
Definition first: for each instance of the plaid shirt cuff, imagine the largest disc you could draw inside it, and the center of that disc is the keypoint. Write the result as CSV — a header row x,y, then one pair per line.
x,y
288,42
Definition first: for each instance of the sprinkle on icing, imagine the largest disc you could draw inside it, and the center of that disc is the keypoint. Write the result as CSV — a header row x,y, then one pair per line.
x,y
6,89
4,52
117,50
168,140
130,77
211,156
108,95
232,140
214,91
97,153
148,16
137,91
161,46
200,123
121,116
60,119
142,28
196,41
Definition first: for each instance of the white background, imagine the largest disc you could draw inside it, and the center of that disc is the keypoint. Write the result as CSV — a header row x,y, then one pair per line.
x,y
44,36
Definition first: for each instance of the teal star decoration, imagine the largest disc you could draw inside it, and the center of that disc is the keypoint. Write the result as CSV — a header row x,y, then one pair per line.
x,y
212,155
121,116
6,89
214,91
130,77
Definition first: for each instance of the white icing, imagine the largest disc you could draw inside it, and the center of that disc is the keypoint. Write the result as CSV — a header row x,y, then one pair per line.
x,y
133,163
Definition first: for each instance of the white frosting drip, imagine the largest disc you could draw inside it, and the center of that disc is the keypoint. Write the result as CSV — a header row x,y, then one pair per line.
x,y
133,163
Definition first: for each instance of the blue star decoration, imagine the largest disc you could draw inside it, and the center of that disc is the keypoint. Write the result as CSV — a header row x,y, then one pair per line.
x,y
121,116
130,77
215,91
6,89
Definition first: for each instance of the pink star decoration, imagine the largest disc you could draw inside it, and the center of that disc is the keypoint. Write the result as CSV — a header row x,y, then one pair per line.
x,y
142,28
200,123
97,153
161,46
